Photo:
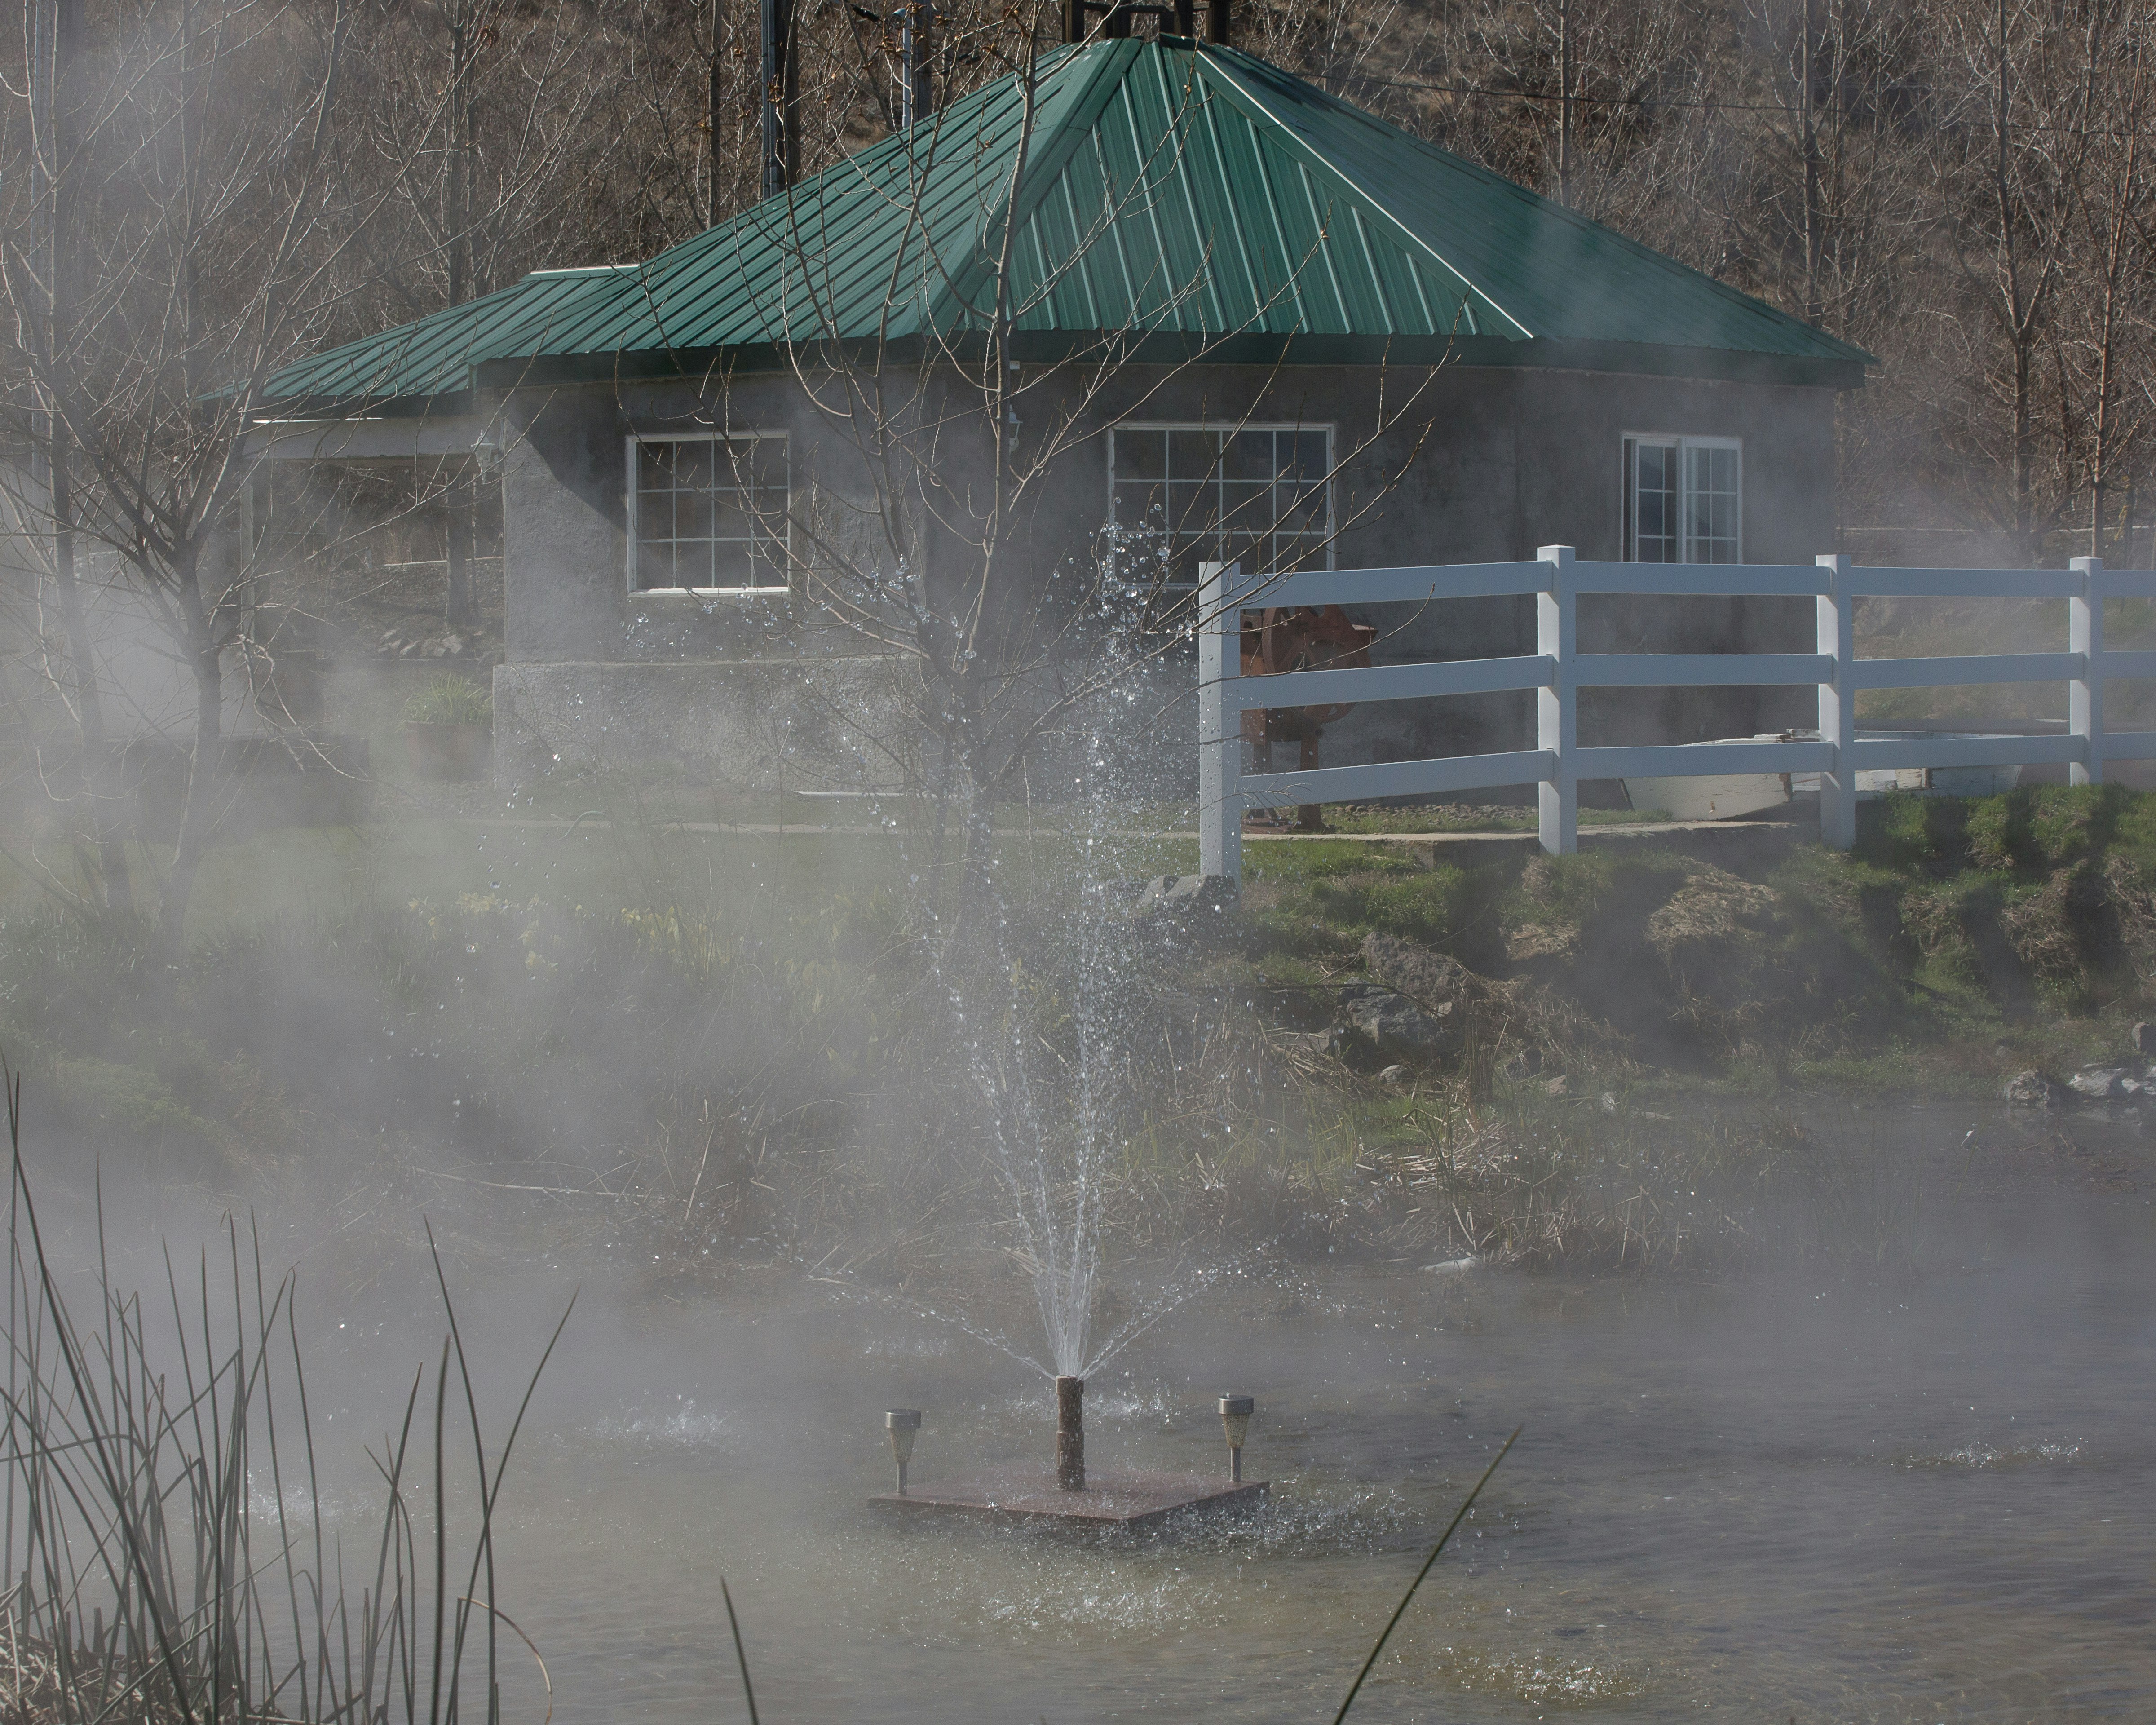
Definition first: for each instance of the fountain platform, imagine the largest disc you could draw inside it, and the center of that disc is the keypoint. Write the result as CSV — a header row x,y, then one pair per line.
x,y
1111,1499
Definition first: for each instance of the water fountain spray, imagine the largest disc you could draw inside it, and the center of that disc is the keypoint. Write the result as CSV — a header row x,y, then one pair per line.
x,y
902,1423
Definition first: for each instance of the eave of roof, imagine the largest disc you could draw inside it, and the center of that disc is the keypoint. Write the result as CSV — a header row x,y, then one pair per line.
x,y
1620,359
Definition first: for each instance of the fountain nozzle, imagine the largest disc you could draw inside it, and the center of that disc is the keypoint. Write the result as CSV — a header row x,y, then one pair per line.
x,y
901,1423
1236,1411
1071,1434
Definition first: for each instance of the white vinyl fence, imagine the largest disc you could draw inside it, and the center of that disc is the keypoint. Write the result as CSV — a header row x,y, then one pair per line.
x,y
1556,671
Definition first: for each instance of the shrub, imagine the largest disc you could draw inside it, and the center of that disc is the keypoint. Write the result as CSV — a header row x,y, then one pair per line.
x,y
451,701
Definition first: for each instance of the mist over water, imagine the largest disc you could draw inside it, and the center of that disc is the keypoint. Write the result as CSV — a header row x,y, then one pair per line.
x,y
1806,1490
1802,1492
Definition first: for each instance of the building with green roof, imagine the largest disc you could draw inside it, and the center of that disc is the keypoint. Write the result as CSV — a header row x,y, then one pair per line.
x,y
1204,305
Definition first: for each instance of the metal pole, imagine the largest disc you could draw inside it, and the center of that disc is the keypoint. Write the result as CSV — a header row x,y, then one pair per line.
x,y
2085,694
1837,704
1557,702
782,151
1071,1434
1220,722
915,37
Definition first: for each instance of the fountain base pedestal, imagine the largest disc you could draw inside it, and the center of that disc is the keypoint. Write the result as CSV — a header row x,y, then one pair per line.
x,y
1136,1501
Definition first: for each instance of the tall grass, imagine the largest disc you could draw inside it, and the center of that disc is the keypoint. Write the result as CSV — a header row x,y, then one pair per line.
x,y
162,1524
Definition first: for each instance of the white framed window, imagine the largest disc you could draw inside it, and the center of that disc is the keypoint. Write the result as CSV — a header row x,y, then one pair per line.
x,y
1257,494
1684,499
707,512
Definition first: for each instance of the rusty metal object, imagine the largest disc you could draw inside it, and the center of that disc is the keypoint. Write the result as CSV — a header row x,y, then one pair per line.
x,y
1071,1434
1293,639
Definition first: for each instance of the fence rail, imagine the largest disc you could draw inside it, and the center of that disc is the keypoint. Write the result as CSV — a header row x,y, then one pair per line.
x,y
1556,671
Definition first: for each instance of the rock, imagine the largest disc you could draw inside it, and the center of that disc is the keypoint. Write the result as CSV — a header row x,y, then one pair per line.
x,y
1395,1025
1419,973
2144,1039
2029,1090
2103,1082
1185,896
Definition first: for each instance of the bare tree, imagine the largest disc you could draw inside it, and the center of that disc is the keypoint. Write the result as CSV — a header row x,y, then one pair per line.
x,y
53,47
951,555
2108,299
2013,158
206,233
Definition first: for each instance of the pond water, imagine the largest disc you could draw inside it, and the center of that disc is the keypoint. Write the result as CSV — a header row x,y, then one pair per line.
x,y
1809,1494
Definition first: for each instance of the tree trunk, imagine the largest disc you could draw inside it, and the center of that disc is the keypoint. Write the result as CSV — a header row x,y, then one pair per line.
x,y
51,77
457,218
715,115
198,809
102,774
1814,210
1564,124
464,147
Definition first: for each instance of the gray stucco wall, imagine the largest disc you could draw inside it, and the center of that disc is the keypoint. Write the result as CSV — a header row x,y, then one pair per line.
x,y
1463,464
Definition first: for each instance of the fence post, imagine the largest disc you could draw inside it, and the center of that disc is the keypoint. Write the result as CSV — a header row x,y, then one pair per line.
x,y
1557,702
1219,723
2085,694
1837,704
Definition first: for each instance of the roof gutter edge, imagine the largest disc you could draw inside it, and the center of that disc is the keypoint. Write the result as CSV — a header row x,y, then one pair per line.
x,y
1180,348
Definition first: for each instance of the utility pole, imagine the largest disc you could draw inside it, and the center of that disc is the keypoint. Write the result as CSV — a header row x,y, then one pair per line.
x,y
782,98
916,43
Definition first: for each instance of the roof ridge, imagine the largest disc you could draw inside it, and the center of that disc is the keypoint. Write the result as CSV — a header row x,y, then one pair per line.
x,y
1547,208
1106,64
1469,286
780,222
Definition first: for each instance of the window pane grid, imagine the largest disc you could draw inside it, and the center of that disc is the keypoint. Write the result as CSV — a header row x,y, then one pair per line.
x,y
1684,501
1256,496
711,513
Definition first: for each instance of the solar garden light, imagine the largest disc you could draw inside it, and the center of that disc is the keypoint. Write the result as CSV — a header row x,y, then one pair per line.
x,y
901,1423
1236,1411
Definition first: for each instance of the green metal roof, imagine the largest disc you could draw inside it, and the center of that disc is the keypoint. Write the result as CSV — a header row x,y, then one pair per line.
x,y
416,362
1178,197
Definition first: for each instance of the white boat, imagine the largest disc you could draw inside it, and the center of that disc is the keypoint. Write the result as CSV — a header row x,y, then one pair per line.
x,y
1726,796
